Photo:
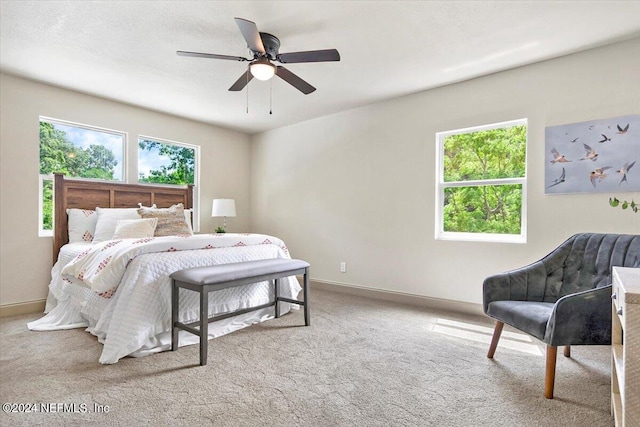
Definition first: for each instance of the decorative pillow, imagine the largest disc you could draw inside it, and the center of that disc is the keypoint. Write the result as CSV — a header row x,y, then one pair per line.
x,y
81,224
108,219
135,228
171,221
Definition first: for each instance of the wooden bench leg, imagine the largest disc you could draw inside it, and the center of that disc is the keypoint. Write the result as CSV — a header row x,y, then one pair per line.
x,y
567,351
305,290
550,374
204,326
175,296
496,337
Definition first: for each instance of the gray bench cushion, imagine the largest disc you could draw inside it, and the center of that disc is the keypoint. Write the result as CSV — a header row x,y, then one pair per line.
x,y
528,316
213,274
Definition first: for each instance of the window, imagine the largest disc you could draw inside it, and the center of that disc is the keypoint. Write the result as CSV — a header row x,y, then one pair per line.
x,y
89,152
481,183
166,162
78,151
169,162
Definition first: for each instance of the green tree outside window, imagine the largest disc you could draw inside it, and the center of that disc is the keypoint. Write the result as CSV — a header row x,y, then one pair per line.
x,y
71,155
474,164
172,163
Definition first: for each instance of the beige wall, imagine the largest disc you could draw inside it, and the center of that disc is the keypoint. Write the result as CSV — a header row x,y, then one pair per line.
x,y
359,186
25,258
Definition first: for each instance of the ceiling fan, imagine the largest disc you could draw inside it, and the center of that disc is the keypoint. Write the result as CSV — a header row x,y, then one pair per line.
x,y
264,47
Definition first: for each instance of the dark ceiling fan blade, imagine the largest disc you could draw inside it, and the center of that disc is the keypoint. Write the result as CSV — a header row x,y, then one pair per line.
x,y
294,80
211,56
309,56
251,34
241,82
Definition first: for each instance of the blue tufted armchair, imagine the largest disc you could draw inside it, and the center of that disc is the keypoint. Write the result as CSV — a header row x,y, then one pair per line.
x,y
563,299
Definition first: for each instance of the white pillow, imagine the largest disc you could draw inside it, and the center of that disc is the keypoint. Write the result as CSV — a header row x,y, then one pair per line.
x,y
187,218
135,228
81,224
108,219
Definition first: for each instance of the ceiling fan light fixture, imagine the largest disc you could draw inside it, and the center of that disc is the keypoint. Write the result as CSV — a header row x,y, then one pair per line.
x,y
262,69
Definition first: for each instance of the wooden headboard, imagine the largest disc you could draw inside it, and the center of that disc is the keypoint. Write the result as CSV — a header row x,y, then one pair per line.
x,y
81,194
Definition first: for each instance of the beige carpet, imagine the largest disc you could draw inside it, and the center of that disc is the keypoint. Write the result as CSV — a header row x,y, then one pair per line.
x,y
362,362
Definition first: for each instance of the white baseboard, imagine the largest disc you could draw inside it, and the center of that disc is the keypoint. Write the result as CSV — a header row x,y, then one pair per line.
x,y
401,297
37,306
28,307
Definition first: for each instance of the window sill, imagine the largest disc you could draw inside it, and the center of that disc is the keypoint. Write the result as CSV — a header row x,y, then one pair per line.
x,y
482,237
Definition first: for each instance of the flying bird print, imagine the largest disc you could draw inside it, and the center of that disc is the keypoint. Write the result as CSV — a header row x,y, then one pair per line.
x,y
557,157
623,130
625,170
598,174
605,138
558,180
593,156
590,153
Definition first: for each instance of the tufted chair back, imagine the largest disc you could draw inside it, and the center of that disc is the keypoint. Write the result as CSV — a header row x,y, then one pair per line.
x,y
581,263
584,262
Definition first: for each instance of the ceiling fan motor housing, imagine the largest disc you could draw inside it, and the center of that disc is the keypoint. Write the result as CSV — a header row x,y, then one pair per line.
x,y
271,45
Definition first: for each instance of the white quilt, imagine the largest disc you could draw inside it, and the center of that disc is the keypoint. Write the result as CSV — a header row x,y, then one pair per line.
x,y
136,319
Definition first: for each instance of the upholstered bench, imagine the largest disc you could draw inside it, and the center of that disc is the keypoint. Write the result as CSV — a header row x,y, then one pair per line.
x,y
216,277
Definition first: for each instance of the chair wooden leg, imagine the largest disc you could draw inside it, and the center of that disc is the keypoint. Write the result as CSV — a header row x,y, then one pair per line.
x,y
494,341
567,351
550,375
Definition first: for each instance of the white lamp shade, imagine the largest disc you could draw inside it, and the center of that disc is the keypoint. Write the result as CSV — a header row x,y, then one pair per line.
x,y
223,207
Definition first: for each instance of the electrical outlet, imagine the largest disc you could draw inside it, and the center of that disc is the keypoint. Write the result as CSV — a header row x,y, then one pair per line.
x,y
343,267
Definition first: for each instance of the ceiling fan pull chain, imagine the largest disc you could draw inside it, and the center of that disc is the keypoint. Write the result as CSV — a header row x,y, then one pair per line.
x,y
247,74
271,96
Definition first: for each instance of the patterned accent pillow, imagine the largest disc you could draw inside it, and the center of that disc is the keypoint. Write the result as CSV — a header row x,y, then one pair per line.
x,y
171,221
81,224
135,228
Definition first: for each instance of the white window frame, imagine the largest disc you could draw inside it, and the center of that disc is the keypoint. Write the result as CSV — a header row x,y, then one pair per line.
x,y
41,177
196,174
441,185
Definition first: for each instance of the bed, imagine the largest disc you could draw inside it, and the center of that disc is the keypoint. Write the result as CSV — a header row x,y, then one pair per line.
x,y
119,289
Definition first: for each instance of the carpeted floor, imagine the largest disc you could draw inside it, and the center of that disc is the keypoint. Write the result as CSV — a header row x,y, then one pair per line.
x,y
362,362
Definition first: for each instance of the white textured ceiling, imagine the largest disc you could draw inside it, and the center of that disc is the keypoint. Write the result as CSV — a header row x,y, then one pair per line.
x,y
125,50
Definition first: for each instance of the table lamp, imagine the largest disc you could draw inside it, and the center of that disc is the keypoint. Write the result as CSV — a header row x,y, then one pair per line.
x,y
223,208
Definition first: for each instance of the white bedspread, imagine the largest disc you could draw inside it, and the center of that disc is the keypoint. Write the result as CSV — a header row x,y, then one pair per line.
x,y
136,320
102,265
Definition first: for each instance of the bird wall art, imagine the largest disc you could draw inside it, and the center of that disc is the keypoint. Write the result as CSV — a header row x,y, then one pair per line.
x,y
593,157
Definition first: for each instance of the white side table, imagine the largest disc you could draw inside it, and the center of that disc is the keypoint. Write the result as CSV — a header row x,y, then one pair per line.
x,y
625,347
